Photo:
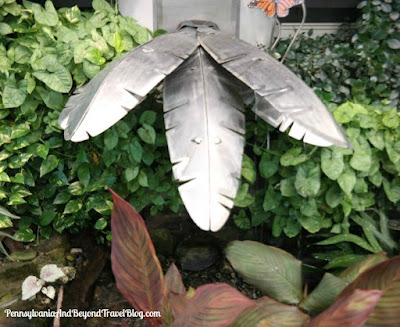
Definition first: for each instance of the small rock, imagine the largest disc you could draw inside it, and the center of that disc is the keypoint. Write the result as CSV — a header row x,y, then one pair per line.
x,y
54,242
198,258
163,240
70,272
12,274
70,257
97,293
394,224
26,255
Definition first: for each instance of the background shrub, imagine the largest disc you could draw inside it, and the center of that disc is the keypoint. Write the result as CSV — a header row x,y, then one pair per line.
x,y
44,55
326,191
361,61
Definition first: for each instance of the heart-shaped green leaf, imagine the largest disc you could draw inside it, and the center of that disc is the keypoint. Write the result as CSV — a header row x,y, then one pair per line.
x,y
48,164
56,76
14,92
332,163
308,179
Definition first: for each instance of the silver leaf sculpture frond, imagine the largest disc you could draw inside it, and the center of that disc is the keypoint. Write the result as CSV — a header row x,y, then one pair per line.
x,y
204,71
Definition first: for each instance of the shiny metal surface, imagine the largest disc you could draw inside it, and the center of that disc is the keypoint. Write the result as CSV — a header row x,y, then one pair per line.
x,y
203,109
123,84
205,126
283,99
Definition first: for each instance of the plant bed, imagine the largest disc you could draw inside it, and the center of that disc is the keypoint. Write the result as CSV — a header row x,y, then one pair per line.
x,y
56,185
105,294
322,205
355,296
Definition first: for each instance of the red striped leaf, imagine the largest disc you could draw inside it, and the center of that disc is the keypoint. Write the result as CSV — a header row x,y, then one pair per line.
x,y
135,265
270,313
175,298
213,305
384,276
173,281
178,303
352,272
352,310
167,314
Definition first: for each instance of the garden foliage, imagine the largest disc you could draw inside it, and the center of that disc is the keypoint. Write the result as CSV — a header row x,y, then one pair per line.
x,y
279,275
44,55
322,190
327,189
361,61
366,292
52,184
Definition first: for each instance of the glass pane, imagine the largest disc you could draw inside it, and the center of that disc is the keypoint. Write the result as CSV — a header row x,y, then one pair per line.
x,y
222,12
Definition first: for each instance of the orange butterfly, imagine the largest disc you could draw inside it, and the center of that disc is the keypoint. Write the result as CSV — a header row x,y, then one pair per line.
x,y
270,7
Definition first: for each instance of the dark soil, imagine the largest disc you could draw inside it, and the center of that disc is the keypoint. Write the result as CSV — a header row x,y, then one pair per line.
x,y
198,255
94,286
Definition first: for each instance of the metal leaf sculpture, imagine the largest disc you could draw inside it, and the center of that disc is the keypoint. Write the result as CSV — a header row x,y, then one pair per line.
x,y
205,71
205,125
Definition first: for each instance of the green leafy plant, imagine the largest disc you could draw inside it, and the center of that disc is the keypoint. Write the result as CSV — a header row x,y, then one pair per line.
x,y
55,185
338,195
279,275
5,222
289,187
361,61
140,279
5,218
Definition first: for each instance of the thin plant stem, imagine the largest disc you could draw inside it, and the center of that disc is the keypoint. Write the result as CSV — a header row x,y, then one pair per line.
x,y
303,6
57,319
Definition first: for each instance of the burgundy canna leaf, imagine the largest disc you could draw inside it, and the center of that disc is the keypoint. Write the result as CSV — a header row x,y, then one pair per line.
x,y
352,310
174,292
352,272
173,281
177,303
213,305
271,313
384,276
134,262
377,277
